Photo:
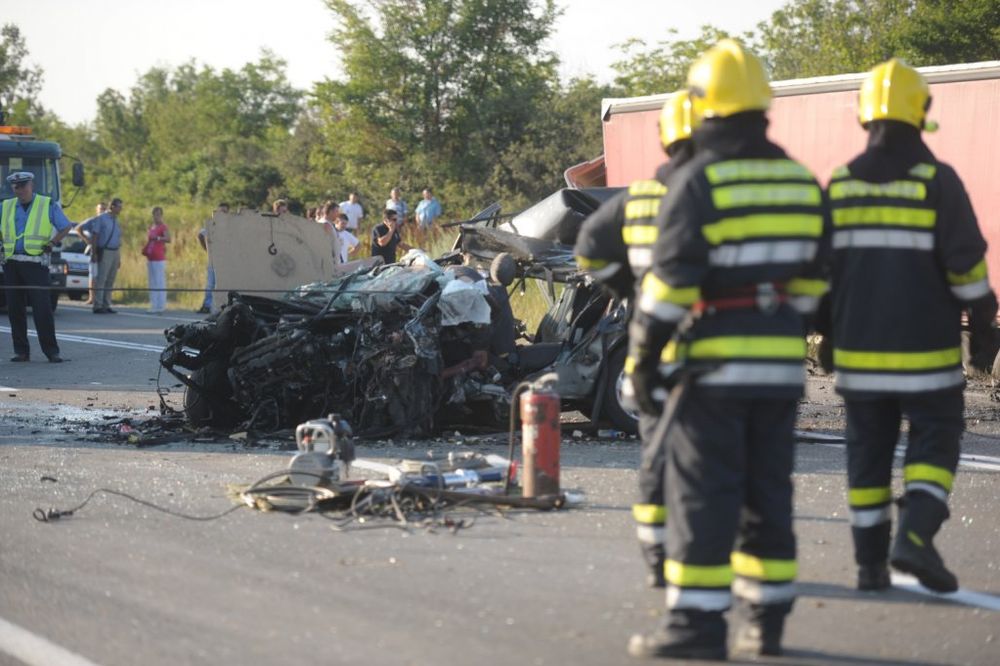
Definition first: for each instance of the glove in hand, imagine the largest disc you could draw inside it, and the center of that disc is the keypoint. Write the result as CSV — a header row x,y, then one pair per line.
x,y
646,382
984,343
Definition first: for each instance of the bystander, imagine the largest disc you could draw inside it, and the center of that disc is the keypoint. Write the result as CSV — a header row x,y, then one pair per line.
x,y
428,210
386,238
354,211
105,237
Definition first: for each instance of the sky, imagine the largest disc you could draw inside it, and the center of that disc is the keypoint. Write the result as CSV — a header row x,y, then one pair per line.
x,y
87,46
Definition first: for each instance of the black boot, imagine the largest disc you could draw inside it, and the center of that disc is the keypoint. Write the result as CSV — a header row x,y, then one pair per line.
x,y
687,634
655,555
873,577
762,628
871,552
913,552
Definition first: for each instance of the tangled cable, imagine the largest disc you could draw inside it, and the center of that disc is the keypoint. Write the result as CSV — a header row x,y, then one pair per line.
x,y
50,515
394,505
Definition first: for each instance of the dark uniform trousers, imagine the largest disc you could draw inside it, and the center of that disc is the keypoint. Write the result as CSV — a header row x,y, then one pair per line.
x,y
932,451
650,511
29,274
622,231
729,473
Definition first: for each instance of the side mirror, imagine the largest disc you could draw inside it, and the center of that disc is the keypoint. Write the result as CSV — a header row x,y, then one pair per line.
x,y
78,174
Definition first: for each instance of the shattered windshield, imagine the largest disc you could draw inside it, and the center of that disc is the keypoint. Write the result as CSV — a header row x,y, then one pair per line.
x,y
368,291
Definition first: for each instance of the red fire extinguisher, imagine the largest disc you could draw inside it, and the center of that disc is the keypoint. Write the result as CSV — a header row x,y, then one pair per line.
x,y
540,436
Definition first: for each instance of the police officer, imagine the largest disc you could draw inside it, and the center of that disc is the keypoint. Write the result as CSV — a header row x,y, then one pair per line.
x,y
908,259
741,231
616,244
26,226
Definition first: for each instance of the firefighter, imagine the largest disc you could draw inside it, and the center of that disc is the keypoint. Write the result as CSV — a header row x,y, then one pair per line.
x,y
908,259
733,273
616,244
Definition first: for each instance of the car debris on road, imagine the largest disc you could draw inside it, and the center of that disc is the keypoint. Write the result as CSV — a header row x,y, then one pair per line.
x,y
410,348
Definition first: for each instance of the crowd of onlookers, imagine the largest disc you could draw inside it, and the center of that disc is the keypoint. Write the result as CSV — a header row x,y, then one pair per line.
x,y
344,222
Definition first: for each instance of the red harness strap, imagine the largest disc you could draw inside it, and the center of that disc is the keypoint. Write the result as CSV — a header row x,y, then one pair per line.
x,y
766,297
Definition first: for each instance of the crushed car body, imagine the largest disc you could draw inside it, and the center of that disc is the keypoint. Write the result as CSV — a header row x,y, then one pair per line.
x,y
409,348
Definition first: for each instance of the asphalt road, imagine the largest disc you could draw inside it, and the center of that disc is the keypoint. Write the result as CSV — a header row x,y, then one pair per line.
x,y
121,584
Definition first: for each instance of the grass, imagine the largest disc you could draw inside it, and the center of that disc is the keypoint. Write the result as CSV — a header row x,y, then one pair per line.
x,y
186,261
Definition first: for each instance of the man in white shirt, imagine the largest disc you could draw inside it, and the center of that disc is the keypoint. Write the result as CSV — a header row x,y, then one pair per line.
x,y
353,210
348,242
329,213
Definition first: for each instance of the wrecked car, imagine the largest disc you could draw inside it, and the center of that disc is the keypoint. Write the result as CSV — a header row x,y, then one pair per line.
x,y
410,348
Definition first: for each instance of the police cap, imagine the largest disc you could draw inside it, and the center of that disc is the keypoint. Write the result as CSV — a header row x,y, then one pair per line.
x,y
20,177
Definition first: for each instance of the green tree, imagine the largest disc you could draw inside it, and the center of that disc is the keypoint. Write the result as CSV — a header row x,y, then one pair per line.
x,y
566,130
663,68
193,133
19,81
822,37
124,133
941,32
439,84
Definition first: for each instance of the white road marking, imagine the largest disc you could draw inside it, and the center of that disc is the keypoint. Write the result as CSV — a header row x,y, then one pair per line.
x,y
35,650
7,389
962,596
101,342
819,437
970,460
168,316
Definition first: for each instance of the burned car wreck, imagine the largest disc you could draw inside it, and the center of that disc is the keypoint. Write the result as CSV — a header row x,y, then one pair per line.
x,y
409,348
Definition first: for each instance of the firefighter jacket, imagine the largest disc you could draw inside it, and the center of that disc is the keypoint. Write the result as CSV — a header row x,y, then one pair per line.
x,y
908,257
737,263
616,241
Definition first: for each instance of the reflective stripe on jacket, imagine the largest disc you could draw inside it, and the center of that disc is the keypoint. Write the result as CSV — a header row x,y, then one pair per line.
x,y
905,263
622,231
736,222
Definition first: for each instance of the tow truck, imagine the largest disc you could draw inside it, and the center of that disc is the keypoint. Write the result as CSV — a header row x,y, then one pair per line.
x,y
20,150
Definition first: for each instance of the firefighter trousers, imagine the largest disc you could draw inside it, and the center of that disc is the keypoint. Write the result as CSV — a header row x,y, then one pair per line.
x,y
729,498
932,450
649,511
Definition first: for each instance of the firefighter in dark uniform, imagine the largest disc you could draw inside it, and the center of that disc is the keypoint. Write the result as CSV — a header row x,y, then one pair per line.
x,y
742,232
616,245
908,259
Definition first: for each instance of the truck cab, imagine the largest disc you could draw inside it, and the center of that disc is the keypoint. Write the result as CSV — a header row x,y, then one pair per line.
x,y
21,151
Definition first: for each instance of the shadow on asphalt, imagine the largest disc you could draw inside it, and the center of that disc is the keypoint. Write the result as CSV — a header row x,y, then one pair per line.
x,y
804,657
807,657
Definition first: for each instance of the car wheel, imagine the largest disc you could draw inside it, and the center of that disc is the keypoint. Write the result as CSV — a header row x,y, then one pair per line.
x,y
622,418
75,295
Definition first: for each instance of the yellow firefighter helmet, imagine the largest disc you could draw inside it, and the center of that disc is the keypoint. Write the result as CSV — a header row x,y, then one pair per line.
x,y
728,79
677,119
894,91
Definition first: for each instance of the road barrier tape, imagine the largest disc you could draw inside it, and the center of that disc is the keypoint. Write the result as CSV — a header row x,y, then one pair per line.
x,y
202,290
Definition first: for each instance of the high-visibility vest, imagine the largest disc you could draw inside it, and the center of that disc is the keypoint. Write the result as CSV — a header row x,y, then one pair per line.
x,y
37,229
